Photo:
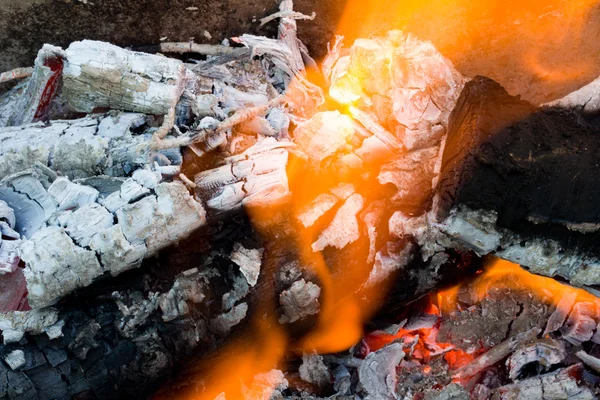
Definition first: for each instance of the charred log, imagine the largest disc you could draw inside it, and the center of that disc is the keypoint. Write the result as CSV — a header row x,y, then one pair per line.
x,y
522,183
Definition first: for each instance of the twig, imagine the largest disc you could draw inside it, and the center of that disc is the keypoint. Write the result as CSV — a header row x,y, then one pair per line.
x,y
287,14
237,118
590,361
187,181
17,73
190,47
495,354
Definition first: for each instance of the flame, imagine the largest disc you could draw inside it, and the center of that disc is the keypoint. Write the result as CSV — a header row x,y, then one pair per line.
x,y
504,274
542,48
235,366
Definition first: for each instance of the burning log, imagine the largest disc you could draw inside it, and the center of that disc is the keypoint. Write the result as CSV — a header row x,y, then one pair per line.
x,y
81,148
31,100
100,75
500,190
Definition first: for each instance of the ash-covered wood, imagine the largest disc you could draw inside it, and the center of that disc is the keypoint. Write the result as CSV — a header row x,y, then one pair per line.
x,y
522,182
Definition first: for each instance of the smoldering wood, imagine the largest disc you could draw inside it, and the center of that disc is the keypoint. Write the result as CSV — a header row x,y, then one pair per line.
x,y
257,177
98,74
125,339
31,100
93,236
87,147
502,191
561,384
495,354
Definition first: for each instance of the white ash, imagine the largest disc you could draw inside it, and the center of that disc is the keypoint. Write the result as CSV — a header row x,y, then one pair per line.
x,y
299,301
98,74
15,359
412,175
223,324
581,324
590,361
344,228
316,209
189,286
478,231
9,240
420,85
266,386
24,107
585,99
15,324
561,384
249,261
313,370
239,291
81,148
324,202
324,135
90,243
135,310
387,262
377,373
543,353
256,177
371,217
25,194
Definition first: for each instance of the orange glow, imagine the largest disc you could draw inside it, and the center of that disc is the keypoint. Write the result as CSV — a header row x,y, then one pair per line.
x,y
236,365
504,274
545,46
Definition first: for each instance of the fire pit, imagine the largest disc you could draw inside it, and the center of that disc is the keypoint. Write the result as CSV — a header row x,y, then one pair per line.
x,y
239,221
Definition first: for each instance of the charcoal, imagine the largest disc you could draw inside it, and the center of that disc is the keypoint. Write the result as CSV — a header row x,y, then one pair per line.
x,y
522,183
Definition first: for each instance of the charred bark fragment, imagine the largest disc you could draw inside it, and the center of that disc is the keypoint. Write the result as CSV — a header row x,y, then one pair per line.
x,y
522,183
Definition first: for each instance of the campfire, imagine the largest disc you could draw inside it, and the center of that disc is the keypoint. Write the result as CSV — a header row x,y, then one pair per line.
x,y
240,221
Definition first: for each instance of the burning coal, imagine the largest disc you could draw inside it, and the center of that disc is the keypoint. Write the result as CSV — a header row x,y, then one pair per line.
x,y
256,225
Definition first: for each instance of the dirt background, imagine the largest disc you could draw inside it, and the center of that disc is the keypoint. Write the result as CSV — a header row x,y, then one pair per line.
x,y
541,49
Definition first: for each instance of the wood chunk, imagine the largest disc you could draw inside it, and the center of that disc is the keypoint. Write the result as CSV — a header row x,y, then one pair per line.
x,y
15,324
299,301
544,353
501,192
313,370
412,174
9,240
101,75
56,266
344,228
324,135
257,177
561,384
377,373
581,324
249,261
81,148
562,311
34,99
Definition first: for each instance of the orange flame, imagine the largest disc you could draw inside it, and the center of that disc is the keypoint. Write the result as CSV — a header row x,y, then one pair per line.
x,y
542,49
504,274
236,366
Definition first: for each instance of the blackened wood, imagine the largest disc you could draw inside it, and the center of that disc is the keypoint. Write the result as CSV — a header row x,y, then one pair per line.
x,y
534,172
